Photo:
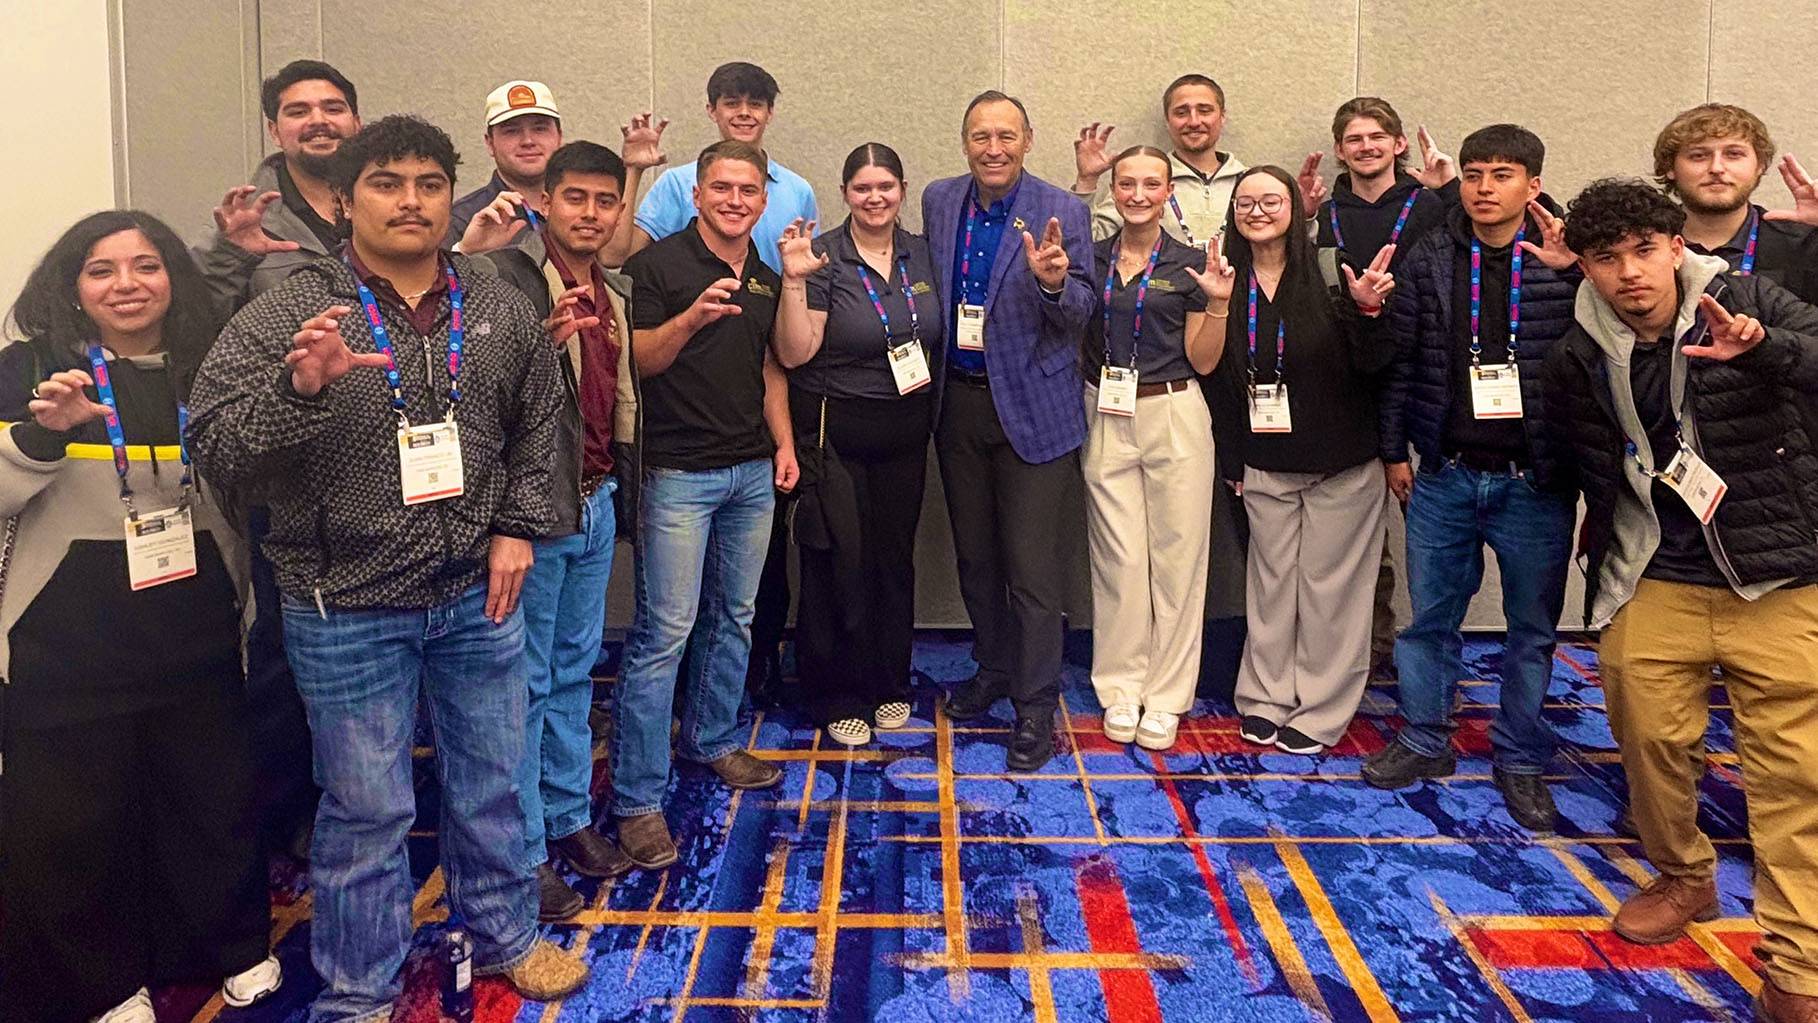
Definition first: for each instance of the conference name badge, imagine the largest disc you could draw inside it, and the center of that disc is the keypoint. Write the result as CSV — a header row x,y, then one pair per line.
x,y
909,365
971,327
1696,483
1269,409
160,548
429,463
1117,391
1496,392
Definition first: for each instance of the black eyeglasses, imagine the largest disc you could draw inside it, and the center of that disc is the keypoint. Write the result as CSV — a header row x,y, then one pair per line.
x,y
1267,203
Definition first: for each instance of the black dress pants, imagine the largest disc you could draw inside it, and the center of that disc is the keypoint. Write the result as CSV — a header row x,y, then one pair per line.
x,y
1008,522
854,659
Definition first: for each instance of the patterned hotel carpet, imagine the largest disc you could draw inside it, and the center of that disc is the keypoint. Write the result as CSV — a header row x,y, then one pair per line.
x,y
913,881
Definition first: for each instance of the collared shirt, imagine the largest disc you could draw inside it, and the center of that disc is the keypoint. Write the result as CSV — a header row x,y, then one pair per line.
x,y
706,411
851,362
1205,201
973,286
292,197
597,388
1162,352
669,207
429,307
1785,253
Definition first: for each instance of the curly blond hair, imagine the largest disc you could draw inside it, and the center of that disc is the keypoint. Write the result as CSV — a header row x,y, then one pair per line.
x,y
1709,121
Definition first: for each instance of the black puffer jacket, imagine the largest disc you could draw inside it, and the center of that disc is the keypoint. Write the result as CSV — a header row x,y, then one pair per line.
x,y
1418,390
1751,425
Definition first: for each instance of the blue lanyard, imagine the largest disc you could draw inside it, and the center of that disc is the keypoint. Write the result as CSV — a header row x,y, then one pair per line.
x,y
1281,327
1748,250
116,436
915,323
1400,221
381,339
1514,295
1142,295
972,212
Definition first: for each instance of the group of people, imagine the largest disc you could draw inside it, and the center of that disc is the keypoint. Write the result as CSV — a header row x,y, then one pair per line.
x,y
383,440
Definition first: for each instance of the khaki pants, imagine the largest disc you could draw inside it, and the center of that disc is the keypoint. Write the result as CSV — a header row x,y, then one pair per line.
x,y
1315,552
1656,658
1149,480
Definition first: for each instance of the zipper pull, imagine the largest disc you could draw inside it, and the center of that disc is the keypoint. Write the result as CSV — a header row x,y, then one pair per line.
x,y
320,608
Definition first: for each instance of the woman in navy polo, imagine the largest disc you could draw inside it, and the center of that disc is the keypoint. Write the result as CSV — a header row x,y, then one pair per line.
x,y
860,330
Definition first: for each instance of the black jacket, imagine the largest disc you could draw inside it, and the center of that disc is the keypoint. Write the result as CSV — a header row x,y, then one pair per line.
x,y
1419,391
1751,420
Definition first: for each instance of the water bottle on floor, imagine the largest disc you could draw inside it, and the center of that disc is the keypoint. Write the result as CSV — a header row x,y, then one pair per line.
x,y
457,974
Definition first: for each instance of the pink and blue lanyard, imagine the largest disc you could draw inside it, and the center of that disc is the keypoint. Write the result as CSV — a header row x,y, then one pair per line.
x,y
116,437
915,324
1400,221
381,339
1142,295
1281,345
1748,251
1174,204
1514,295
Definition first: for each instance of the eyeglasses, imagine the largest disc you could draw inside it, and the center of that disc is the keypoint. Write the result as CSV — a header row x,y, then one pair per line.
x,y
1267,203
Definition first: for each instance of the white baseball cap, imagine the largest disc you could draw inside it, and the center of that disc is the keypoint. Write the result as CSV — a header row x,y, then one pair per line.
x,y
515,99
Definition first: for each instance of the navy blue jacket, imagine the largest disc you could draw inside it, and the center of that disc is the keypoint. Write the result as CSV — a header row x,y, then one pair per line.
x,y
1418,390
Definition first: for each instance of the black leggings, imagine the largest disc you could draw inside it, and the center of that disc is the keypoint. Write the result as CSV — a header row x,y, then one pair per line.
x,y
883,445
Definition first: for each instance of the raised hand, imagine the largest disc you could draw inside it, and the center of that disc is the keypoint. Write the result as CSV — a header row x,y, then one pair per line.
x,y
1731,333
60,404
796,247
1552,248
241,219
1372,289
319,354
714,303
1049,261
643,137
565,320
495,226
1091,155
1219,277
1805,193
1436,168
1312,184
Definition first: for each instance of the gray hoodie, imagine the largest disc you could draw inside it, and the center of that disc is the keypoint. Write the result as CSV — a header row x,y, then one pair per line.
x,y
1636,532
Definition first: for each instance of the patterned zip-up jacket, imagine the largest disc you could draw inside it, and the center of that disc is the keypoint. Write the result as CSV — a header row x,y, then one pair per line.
x,y
341,534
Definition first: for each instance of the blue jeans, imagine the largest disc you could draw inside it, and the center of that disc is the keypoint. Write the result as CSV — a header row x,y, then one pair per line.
x,y
564,605
360,673
702,537
1452,514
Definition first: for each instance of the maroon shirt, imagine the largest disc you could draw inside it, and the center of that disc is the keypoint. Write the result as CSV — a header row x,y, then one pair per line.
x,y
422,318
598,387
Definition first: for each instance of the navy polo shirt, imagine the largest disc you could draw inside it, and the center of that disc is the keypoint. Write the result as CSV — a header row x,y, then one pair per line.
x,y
972,278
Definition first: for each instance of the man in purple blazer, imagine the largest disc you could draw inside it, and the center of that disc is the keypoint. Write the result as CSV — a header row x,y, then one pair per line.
x,y
1012,409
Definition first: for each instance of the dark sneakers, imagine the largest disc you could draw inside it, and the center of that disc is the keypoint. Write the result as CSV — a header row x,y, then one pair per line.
x,y
1528,800
591,855
741,770
1032,745
1259,730
1395,766
970,700
645,839
555,900
1292,740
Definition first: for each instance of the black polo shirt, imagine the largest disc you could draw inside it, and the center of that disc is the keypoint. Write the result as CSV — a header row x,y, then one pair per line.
x,y
851,362
706,411
292,197
1162,352
1785,253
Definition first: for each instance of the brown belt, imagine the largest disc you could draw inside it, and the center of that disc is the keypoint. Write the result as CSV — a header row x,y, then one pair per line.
x,y
1164,387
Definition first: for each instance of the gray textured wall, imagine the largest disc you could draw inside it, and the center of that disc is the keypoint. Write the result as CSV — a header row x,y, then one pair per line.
x,y
901,74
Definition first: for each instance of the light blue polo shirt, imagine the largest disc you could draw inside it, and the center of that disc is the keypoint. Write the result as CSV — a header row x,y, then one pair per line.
x,y
669,207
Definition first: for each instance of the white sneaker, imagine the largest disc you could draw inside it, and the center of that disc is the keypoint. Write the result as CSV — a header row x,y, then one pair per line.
x,y
849,732
1120,721
254,985
892,715
1157,730
137,1009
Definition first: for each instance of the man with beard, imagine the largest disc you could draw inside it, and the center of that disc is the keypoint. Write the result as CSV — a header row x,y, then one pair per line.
x,y
1194,106
1712,158
286,217
523,127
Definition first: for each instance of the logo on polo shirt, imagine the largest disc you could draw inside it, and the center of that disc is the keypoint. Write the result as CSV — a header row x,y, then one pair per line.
x,y
757,287
921,288
520,96
1161,284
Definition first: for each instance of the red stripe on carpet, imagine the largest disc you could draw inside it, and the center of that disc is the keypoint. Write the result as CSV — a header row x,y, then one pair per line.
x,y
1220,904
1584,950
1743,943
1129,994
1578,666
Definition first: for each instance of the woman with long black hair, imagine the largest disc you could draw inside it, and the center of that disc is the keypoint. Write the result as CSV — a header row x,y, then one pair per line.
x,y
1303,353
128,857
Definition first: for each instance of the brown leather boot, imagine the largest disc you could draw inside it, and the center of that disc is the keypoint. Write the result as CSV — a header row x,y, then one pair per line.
x,y
1777,1005
645,838
1660,912
741,770
591,855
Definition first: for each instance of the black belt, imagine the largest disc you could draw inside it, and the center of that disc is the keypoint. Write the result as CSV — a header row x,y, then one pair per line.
x,y
590,485
960,376
1497,462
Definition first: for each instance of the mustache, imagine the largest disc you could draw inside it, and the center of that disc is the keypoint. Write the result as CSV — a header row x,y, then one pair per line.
x,y
324,131
401,221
